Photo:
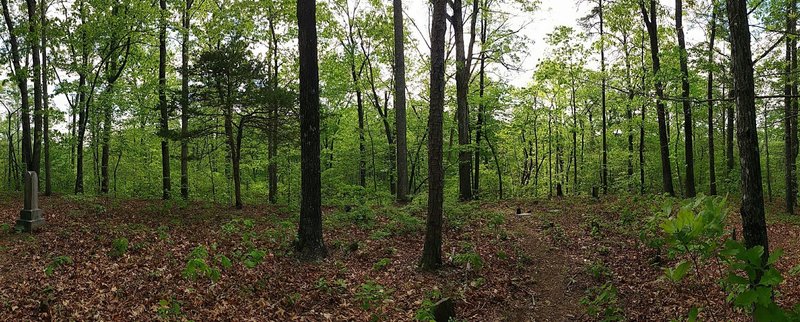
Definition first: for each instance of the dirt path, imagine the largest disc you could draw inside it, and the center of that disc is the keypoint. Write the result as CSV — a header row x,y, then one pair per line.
x,y
558,280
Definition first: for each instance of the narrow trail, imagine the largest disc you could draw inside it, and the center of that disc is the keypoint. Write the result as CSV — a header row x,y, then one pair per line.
x,y
547,236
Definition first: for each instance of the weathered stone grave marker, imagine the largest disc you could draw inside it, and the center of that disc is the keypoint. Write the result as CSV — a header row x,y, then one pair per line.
x,y
30,217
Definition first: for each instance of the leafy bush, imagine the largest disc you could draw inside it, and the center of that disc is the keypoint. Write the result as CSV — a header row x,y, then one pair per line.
x,y
598,271
694,231
362,216
381,264
403,223
197,265
55,263
254,257
170,308
163,232
750,282
119,247
602,304
371,294
470,259
425,312
697,231
243,227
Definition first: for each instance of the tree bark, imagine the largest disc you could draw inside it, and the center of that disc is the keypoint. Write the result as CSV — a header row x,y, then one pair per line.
x,y
82,105
310,244
641,125
186,24
790,116
766,152
33,23
462,109
162,99
48,186
432,250
712,173
652,30
729,137
400,102
754,226
272,169
22,84
604,173
479,124
688,125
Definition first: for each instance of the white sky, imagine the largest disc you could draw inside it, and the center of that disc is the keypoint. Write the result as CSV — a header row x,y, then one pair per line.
x,y
551,13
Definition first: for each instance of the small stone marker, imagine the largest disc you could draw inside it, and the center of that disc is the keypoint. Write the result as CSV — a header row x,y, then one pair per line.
x,y
30,218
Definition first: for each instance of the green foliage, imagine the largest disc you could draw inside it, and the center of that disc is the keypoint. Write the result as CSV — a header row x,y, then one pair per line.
x,y
293,298
402,223
469,259
243,227
254,257
425,312
197,265
602,304
56,263
119,247
361,216
598,271
694,231
381,264
676,274
5,228
751,281
169,308
163,232
371,295
555,232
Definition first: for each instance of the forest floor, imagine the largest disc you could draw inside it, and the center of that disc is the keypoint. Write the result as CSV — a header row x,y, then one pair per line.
x,y
562,260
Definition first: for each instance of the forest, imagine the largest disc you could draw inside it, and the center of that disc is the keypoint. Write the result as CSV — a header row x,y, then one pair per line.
x,y
417,160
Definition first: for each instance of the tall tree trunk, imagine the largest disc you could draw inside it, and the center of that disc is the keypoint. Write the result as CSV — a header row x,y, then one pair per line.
x,y
48,186
310,244
33,23
688,125
754,226
362,150
652,30
604,173
712,173
272,154
113,71
462,110
22,84
550,151
234,147
162,99
400,102
186,24
641,125
383,112
432,250
790,116
729,138
481,106
628,107
766,151
82,105
574,137
106,140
